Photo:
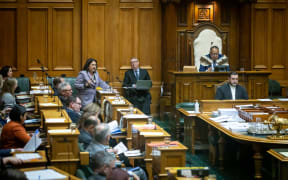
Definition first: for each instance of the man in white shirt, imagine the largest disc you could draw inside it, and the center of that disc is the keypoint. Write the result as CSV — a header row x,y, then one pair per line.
x,y
231,90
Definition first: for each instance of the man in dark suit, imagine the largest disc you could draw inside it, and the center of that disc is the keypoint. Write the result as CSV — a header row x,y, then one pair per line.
x,y
139,98
231,90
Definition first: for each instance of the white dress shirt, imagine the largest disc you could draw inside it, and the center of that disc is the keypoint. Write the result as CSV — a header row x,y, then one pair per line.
x,y
233,92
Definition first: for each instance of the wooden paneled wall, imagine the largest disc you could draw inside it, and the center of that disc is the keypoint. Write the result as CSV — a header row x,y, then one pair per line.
x,y
257,32
62,34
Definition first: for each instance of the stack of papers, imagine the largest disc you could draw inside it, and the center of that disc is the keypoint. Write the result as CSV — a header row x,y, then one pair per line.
x,y
283,99
264,99
227,111
118,102
33,143
48,104
28,156
55,120
40,91
31,121
151,133
60,131
245,106
132,153
45,174
221,119
144,126
236,126
136,116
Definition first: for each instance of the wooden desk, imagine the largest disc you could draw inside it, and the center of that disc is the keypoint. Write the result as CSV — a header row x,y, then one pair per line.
x,y
63,150
111,105
100,94
280,165
169,156
54,114
191,86
48,102
36,82
69,176
33,162
259,144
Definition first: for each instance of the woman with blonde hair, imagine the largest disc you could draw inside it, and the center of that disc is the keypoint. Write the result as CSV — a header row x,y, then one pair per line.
x,y
7,93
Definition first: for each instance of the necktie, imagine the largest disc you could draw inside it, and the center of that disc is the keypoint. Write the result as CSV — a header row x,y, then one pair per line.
x,y
137,75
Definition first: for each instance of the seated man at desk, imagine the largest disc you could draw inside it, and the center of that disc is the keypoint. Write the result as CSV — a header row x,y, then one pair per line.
x,y
73,108
139,98
212,60
65,91
231,90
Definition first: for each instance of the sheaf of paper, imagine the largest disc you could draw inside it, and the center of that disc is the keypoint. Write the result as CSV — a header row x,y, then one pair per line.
x,y
264,99
33,143
39,91
244,106
113,125
120,148
151,133
135,116
23,97
59,131
186,173
221,118
123,109
48,104
54,120
39,87
191,112
236,126
45,174
283,99
132,153
284,153
28,156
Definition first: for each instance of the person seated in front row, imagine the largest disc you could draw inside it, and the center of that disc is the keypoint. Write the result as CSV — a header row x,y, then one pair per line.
x,y
13,133
103,165
86,133
7,94
213,59
100,142
56,82
65,91
231,90
88,115
73,108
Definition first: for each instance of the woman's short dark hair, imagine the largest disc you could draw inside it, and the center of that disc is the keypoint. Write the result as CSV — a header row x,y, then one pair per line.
x,y
16,112
88,62
4,71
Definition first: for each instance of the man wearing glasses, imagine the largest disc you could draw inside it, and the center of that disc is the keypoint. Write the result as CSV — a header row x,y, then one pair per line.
x,y
212,60
65,91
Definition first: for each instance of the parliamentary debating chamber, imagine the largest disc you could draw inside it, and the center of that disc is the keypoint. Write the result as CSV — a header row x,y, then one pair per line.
x,y
144,89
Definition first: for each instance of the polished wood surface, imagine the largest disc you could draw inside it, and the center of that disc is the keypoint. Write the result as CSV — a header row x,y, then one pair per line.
x,y
47,102
69,176
280,163
54,114
191,86
114,106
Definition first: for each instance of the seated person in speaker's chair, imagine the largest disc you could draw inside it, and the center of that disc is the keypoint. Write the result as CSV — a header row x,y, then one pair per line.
x,y
139,98
212,60
231,90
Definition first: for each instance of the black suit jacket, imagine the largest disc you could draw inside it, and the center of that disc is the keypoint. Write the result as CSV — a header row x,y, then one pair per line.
x,y
224,92
140,98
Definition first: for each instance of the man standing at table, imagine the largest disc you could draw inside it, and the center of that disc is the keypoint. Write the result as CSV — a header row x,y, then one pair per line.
x,y
213,59
231,90
139,98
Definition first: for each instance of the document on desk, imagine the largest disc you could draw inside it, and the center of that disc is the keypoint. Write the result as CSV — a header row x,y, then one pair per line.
x,y
151,133
60,131
136,116
28,156
48,104
33,143
132,153
284,153
45,174
55,120
120,148
264,99
236,126
113,125
283,99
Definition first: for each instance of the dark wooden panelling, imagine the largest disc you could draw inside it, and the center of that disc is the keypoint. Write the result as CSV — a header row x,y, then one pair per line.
x,y
260,39
37,41
8,36
182,14
63,39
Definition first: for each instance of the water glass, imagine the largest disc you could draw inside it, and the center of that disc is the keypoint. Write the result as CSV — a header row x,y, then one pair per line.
x,y
131,109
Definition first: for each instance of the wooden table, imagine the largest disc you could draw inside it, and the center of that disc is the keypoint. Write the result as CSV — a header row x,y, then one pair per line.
x,y
111,105
63,150
280,168
54,114
100,94
191,86
69,176
47,102
169,156
259,144
33,162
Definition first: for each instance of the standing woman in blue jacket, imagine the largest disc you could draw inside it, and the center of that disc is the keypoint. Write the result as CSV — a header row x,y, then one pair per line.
x,y
87,81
